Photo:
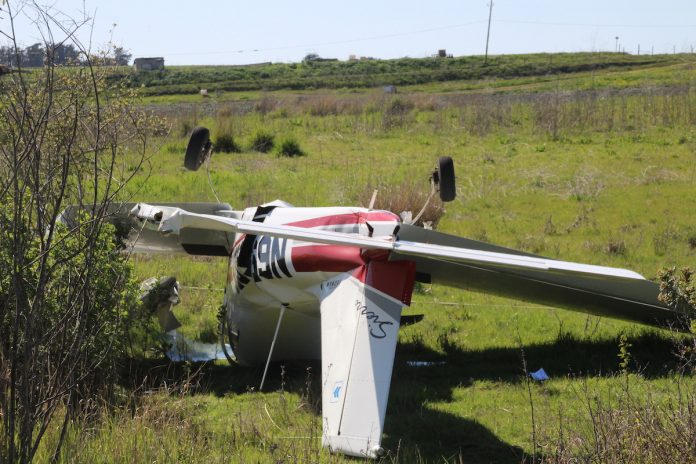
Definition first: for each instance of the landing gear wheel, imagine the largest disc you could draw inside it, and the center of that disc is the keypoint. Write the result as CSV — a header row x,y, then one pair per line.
x,y
198,149
445,179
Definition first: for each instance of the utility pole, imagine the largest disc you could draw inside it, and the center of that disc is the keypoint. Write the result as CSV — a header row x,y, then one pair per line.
x,y
616,47
488,34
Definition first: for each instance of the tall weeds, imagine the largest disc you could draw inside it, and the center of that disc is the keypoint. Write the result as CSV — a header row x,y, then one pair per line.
x,y
557,114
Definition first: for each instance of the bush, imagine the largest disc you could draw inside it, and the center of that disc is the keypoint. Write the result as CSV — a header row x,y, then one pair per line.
x,y
263,141
67,295
226,143
405,197
395,112
290,147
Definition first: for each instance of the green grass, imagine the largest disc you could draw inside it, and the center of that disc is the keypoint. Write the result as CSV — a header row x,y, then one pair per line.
x,y
569,176
371,73
503,74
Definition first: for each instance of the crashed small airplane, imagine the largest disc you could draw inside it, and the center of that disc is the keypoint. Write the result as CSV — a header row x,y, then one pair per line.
x,y
330,284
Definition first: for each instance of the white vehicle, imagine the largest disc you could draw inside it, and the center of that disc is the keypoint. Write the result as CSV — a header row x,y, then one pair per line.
x,y
330,284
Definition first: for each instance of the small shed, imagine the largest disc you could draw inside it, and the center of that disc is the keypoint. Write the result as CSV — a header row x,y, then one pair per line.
x,y
148,64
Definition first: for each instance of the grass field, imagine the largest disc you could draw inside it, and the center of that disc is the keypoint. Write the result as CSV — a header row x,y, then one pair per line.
x,y
592,166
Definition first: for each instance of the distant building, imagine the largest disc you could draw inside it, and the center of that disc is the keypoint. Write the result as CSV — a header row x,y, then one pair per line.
x,y
442,53
148,64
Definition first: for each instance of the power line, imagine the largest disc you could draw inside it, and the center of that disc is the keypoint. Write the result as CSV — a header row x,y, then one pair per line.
x,y
421,31
337,42
546,23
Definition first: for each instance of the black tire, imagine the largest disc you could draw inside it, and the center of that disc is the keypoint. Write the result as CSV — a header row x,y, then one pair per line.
x,y
198,148
448,189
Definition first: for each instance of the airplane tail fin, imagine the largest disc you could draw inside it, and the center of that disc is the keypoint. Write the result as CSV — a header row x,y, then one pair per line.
x,y
359,331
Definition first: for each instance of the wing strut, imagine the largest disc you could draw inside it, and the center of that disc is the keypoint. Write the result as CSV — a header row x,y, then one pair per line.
x,y
275,336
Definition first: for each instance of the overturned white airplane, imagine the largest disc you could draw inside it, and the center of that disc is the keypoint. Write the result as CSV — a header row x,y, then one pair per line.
x,y
330,284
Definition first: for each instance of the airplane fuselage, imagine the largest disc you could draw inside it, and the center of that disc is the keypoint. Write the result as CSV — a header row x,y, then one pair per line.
x,y
268,272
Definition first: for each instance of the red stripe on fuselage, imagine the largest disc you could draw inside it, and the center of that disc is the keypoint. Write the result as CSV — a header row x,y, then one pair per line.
x,y
327,258
350,218
395,279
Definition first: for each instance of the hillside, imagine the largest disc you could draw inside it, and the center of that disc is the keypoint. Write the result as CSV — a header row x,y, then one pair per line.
x,y
367,73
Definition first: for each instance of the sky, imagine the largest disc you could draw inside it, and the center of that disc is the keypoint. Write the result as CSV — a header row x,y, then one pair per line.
x,y
234,32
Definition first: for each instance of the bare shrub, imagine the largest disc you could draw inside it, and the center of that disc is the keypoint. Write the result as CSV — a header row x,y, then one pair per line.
x,y
547,115
426,102
66,292
549,227
266,105
583,218
395,111
585,185
324,105
624,428
664,238
187,119
532,243
615,247
404,197
691,241
654,175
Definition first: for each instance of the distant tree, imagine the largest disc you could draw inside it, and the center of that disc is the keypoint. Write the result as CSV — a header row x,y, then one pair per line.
x,y
7,56
121,56
34,56
63,54
310,57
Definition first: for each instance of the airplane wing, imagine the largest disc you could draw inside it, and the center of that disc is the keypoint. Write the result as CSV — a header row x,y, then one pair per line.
x,y
468,264
140,239
611,292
